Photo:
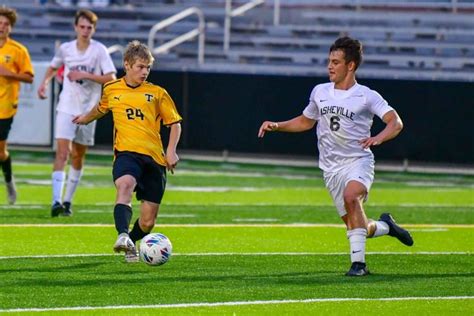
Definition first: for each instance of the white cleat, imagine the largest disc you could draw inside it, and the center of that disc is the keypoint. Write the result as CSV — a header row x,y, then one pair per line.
x,y
124,244
11,192
131,256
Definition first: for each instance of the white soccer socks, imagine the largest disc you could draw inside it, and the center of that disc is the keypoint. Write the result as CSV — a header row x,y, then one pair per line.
x,y
381,228
73,178
357,238
58,184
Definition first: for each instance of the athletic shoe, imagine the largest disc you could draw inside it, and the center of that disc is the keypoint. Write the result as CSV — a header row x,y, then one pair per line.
x,y
67,209
11,192
56,209
131,256
358,269
395,230
124,243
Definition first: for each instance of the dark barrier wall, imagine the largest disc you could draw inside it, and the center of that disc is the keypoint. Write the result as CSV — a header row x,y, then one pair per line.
x,y
224,112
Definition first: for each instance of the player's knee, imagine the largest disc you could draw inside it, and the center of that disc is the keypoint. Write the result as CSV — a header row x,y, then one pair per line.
x,y
147,224
61,156
3,155
351,199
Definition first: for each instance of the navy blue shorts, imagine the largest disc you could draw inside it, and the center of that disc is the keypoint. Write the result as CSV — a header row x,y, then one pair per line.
x,y
150,176
5,126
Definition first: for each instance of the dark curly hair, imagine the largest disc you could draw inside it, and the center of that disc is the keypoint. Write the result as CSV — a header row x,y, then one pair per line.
x,y
352,49
9,13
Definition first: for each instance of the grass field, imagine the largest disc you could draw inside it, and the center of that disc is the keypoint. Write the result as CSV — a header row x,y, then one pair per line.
x,y
247,239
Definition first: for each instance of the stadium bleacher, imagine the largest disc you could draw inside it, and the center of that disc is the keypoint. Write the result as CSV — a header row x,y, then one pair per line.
x,y
430,40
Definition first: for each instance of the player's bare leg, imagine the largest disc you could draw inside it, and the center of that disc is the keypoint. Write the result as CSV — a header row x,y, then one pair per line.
x,y
78,153
143,226
63,147
357,226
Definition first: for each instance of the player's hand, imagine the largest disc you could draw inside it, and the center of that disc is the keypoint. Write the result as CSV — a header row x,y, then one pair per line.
x,y
370,141
42,92
267,126
77,75
171,161
80,120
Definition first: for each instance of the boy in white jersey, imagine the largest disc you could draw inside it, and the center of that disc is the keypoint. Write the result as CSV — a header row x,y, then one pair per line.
x,y
344,112
87,66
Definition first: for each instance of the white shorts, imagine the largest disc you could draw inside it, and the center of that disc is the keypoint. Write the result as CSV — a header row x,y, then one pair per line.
x,y
66,129
361,170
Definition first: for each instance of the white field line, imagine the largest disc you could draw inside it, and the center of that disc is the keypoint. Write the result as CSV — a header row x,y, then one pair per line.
x,y
221,254
39,205
256,225
237,303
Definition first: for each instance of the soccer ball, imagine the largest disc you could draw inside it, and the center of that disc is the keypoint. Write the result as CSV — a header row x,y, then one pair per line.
x,y
155,249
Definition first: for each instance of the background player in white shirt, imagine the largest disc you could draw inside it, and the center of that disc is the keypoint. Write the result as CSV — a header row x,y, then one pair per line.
x,y
87,66
343,111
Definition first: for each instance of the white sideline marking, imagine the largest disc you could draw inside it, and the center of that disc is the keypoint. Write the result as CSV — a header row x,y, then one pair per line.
x,y
255,220
214,189
37,204
425,253
308,225
428,230
237,303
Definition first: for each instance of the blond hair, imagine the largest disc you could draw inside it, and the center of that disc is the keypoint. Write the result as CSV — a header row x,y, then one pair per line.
x,y
136,50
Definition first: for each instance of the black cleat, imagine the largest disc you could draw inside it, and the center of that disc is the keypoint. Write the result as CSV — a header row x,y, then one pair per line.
x,y
358,269
396,231
56,209
67,209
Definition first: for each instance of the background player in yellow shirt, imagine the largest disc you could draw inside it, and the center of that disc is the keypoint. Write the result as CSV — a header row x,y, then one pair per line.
x,y
139,108
15,67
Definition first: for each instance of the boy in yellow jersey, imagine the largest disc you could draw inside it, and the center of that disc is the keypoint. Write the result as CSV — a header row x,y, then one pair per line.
x,y
15,67
138,109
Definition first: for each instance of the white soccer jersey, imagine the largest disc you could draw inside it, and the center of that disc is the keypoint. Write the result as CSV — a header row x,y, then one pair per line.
x,y
78,97
344,117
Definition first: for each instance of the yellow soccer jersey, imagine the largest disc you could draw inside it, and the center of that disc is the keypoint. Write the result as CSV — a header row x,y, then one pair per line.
x,y
138,113
14,57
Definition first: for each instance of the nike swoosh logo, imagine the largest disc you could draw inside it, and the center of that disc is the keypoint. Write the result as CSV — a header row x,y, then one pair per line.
x,y
322,100
357,251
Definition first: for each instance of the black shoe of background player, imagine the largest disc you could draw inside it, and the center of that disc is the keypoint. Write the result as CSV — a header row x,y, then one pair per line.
x,y
396,231
358,269
56,209
67,209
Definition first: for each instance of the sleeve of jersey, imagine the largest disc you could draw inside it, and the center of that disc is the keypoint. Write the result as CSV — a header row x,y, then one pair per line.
x,y
377,104
26,66
167,110
58,59
311,110
103,106
106,63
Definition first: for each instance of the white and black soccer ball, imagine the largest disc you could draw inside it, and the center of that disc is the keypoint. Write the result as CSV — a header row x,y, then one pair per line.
x,y
155,249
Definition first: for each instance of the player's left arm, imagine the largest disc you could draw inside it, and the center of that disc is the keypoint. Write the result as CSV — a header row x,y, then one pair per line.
x,y
171,156
80,75
90,116
392,128
23,77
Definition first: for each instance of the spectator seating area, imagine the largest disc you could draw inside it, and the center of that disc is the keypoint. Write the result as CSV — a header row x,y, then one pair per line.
x,y
429,40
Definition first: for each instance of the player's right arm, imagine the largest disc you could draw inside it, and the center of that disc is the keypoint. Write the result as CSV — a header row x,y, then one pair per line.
x,y
298,124
90,116
43,88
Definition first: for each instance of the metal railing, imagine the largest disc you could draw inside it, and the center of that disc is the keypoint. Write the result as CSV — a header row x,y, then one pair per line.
x,y
199,31
229,14
115,48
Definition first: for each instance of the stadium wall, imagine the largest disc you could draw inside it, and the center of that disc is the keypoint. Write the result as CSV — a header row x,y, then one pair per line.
x,y
224,112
